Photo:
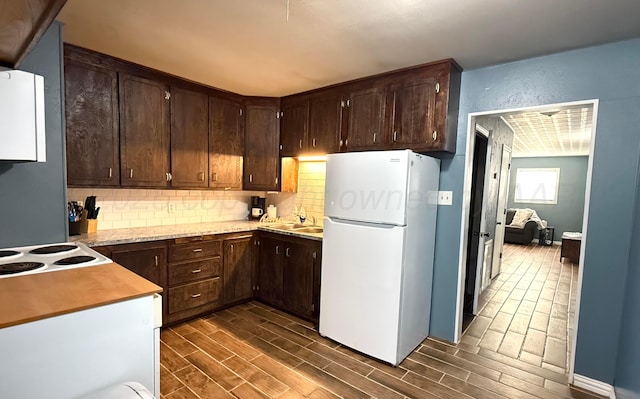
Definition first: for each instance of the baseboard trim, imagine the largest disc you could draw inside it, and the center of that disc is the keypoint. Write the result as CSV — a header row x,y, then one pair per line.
x,y
595,386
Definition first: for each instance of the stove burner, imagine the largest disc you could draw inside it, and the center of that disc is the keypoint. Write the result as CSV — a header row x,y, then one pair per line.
x,y
5,253
74,260
52,249
19,267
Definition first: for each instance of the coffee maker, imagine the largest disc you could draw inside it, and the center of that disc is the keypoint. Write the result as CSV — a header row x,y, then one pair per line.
x,y
257,207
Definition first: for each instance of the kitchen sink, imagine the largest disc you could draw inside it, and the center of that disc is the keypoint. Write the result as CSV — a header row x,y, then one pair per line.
x,y
297,228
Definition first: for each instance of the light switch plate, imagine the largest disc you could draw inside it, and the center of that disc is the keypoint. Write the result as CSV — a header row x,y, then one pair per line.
x,y
445,197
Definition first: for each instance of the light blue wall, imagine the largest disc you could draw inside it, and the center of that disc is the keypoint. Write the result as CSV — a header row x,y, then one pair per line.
x,y
567,214
610,73
32,195
627,382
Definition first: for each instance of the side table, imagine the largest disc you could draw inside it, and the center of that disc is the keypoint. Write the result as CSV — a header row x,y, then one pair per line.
x,y
546,236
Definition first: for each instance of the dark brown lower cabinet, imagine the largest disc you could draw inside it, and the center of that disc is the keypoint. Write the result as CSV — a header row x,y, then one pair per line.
x,y
194,277
146,259
289,274
238,268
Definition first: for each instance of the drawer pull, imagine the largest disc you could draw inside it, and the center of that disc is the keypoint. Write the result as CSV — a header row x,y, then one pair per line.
x,y
196,271
196,295
197,250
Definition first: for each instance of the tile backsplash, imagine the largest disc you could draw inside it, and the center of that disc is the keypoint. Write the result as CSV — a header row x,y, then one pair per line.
x,y
122,208
310,195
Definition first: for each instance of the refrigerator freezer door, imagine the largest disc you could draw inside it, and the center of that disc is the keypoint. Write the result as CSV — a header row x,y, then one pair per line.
x,y
368,186
360,289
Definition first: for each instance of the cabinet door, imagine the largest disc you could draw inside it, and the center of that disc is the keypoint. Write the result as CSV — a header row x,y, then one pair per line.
x,y
149,263
366,119
262,141
91,114
413,112
238,269
226,144
144,132
325,120
270,270
294,128
298,278
189,138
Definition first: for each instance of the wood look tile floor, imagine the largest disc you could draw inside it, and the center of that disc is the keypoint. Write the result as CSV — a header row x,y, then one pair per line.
x,y
515,348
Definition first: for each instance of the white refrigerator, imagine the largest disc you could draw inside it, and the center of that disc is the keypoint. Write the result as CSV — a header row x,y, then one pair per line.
x,y
377,251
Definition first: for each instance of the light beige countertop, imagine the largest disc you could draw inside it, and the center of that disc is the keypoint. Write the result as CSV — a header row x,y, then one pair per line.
x,y
156,233
42,295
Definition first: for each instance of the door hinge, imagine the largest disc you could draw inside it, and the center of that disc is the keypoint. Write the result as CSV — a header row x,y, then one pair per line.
x,y
437,88
167,94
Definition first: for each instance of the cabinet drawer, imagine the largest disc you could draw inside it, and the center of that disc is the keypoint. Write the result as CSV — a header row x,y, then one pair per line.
x,y
196,250
192,271
193,295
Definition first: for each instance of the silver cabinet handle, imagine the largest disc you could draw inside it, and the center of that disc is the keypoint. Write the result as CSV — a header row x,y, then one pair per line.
x,y
341,142
156,260
395,135
196,271
201,176
170,176
300,143
435,135
313,142
374,137
250,178
346,142
167,95
131,173
197,250
110,173
196,295
348,103
277,249
231,249
214,176
288,252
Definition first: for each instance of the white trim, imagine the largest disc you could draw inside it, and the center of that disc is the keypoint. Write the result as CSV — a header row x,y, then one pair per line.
x,y
482,130
595,386
585,223
466,195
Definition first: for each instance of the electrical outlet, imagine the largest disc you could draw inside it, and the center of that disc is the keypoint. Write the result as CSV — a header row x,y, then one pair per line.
x,y
171,207
445,197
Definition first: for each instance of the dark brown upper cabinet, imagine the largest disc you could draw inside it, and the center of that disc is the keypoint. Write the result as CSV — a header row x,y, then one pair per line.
x,y
262,144
226,143
294,126
144,132
365,113
189,138
413,112
422,108
325,122
91,112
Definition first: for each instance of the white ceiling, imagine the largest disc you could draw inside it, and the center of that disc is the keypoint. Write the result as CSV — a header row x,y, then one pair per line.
x,y
263,47
562,131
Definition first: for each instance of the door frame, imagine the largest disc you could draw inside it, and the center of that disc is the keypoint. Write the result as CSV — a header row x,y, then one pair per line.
x,y
466,197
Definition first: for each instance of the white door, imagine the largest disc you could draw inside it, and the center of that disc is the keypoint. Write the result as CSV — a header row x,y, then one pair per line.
x,y
503,194
367,186
360,287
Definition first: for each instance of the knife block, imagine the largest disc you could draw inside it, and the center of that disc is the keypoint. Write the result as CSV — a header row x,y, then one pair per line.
x,y
88,225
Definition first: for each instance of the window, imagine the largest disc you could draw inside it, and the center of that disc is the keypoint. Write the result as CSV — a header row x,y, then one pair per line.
x,y
537,186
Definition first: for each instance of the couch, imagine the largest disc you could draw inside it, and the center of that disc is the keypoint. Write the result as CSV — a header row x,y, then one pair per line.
x,y
521,231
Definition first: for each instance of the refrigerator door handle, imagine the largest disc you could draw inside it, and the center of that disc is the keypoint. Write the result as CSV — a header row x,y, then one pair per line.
x,y
364,224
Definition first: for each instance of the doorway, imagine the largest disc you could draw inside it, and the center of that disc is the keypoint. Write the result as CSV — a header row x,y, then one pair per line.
x,y
470,244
